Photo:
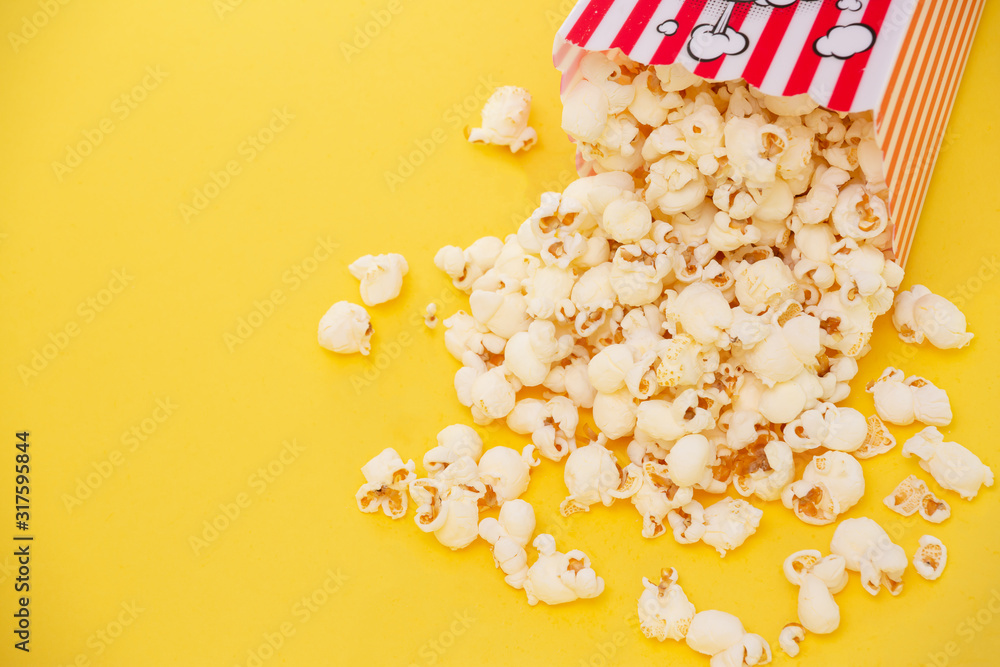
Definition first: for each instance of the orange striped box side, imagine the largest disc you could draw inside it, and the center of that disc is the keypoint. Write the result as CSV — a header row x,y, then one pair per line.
x,y
914,112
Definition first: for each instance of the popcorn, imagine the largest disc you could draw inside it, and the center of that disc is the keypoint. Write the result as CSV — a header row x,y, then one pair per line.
x,y
492,396
765,471
712,632
921,314
930,557
878,440
555,577
381,276
593,475
728,524
790,637
751,650
656,495
866,548
950,464
386,480
551,424
430,316
508,535
818,578
615,414
664,610
900,401
912,495
505,120
859,214
453,516
831,484
689,459
506,473
346,328
454,441
687,522
529,355
467,266
840,429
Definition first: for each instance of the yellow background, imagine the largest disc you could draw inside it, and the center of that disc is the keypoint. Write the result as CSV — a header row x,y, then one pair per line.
x,y
398,598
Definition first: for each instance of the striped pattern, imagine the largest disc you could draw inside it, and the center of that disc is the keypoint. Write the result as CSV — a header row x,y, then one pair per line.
x,y
780,58
911,119
908,79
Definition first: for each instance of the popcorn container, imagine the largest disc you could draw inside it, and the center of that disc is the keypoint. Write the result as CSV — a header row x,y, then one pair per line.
x,y
901,60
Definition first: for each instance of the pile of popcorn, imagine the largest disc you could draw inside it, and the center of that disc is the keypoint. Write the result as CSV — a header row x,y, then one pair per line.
x,y
705,293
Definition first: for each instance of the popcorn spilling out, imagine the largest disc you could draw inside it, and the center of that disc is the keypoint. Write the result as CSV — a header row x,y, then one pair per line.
x,y
705,291
505,120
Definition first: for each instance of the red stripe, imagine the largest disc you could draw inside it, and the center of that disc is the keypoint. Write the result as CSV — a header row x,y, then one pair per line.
x,y
588,21
852,71
802,75
634,25
708,70
767,45
671,45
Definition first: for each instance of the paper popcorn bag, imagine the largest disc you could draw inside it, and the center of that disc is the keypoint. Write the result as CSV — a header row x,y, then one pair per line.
x,y
900,59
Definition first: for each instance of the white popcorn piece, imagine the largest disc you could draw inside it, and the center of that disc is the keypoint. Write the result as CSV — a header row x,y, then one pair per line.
x,y
878,440
912,495
656,495
529,355
664,609
687,522
505,120
508,535
749,651
386,481
381,276
556,578
902,401
930,557
492,396
818,579
454,441
790,637
592,475
728,524
506,473
615,414
346,328
840,429
551,424
711,632
920,314
950,464
430,316
608,368
453,517
689,459
763,471
867,549
831,484
467,266
859,214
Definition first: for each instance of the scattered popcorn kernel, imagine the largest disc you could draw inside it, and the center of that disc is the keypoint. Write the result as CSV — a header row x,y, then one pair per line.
x,y
454,441
346,328
878,440
790,637
592,476
430,316
506,473
867,549
930,558
381,277
950,464
728,524
903,401
921,314
818,578
505,120
551,424
749,651
656,495
555,577
386,481
906,498
664,610
711,632
508,535
831,484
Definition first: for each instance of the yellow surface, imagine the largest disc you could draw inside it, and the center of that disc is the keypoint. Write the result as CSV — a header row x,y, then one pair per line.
x,y
176,327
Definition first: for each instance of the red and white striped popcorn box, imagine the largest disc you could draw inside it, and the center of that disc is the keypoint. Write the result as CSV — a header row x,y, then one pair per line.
x,y
900,59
